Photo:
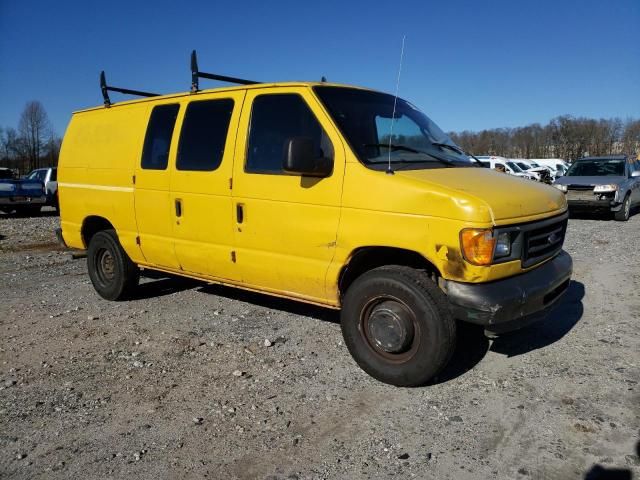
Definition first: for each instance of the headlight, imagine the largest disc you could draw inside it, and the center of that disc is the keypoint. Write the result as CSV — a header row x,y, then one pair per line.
x,y
503,245
605,188
562,188
477,245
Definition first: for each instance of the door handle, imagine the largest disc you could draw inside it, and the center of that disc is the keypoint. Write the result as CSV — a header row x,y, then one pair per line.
x,y
239,212
178,207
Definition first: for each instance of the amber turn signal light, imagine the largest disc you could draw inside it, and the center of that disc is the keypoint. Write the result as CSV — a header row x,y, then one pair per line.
x,y
477,245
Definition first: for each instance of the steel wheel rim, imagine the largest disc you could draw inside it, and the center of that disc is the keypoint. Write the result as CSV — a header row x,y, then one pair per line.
x,y
390,314
106,266
627,207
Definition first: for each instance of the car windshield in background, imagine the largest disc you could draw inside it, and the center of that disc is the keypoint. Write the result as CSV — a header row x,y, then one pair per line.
x,y
365,119
596,168
514,167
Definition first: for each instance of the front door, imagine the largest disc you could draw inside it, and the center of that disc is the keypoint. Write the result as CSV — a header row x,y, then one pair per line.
x,y
285,225
201,185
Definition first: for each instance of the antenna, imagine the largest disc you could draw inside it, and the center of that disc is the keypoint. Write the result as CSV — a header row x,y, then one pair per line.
x,y
395,99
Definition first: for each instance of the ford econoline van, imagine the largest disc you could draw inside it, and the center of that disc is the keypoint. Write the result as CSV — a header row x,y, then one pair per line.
x,y
319,193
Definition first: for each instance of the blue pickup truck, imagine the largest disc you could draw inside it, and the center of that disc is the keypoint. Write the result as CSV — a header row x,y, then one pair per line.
x,y
20,195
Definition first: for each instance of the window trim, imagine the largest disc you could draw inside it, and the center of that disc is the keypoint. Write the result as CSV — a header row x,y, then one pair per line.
x,y
144,141
182,129
282,172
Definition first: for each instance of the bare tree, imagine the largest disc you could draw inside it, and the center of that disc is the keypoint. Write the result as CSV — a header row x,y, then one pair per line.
x,y
35,130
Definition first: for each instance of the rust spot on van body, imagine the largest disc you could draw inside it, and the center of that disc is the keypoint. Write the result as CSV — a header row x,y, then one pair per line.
x,y
453,265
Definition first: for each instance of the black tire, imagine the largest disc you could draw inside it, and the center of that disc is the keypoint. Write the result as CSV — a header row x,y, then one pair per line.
x,y
623,214
392,299
113,274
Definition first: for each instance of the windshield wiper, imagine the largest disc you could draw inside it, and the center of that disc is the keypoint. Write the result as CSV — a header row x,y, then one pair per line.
x,y
457,150
408,163
393,147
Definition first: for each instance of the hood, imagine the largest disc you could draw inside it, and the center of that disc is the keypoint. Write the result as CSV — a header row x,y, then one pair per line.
x,y
591,181
486,195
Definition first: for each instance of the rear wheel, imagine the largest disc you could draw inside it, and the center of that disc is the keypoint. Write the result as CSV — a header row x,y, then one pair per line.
x,y
622,215
113,274
397,325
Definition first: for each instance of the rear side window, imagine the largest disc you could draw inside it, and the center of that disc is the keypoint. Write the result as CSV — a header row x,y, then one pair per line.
x,y
204,134
274,120
155,154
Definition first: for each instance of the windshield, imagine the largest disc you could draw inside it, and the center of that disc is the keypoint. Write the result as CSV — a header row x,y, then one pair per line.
x,y
514,167
596,168
365,119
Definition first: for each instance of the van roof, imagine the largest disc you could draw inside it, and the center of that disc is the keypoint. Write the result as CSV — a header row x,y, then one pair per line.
x,y
221,89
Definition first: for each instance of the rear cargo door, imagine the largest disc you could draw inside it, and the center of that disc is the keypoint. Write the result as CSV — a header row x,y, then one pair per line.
x,y
154,210
201,185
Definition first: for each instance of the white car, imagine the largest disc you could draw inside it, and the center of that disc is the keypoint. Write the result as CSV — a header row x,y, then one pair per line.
x,y
491,161
541,172
557,166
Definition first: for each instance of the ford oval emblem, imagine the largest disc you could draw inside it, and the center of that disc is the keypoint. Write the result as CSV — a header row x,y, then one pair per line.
x,y
553,238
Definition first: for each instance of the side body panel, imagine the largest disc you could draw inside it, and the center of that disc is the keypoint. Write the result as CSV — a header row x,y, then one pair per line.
x,y
95,173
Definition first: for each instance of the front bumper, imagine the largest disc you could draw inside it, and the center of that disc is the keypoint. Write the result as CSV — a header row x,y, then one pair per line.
x,y
594,205
514,302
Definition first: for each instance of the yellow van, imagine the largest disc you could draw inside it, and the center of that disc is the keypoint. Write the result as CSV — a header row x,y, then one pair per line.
x,y
329,194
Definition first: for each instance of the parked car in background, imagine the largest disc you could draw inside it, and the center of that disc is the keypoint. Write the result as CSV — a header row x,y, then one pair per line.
x,y
603,183
542,174
49,177
557,166
491,161
20,195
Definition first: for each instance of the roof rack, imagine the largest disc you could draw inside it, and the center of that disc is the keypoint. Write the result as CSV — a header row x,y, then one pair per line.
x,y
197,74
107,88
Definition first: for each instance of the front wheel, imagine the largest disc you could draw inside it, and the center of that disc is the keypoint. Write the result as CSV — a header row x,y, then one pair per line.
x,y
622,215
113,274
397,325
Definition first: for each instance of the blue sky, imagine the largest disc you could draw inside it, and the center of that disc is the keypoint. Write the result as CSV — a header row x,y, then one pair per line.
x,y
468,64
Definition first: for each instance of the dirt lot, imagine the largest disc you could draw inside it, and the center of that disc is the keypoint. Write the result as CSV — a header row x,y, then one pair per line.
x,y
197,381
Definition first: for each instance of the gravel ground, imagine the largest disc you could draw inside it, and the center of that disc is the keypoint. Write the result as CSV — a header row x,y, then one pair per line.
x,y
196,381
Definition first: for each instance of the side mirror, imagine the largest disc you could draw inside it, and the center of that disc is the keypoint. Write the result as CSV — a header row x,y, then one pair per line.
x,y
300,159
635,174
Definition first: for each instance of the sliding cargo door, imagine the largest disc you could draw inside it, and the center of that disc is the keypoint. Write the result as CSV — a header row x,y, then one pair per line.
x,y
151,192
201,186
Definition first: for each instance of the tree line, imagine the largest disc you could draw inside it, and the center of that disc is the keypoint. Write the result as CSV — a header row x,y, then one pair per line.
x,y
563,137
34,144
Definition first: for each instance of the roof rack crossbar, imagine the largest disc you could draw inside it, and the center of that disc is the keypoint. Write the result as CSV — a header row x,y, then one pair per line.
x,y
107,88
197,74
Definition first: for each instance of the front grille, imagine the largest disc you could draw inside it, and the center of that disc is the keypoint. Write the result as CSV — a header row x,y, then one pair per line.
x,y
586,195
580,187
543,240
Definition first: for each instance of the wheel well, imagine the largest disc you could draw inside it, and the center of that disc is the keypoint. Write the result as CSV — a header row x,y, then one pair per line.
x,y
368,258
93,225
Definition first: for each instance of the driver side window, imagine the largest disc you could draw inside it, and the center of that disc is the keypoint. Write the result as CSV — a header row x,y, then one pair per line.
x,y
275,119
